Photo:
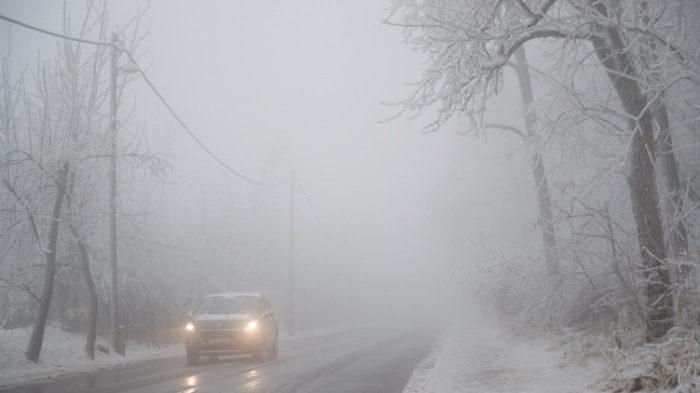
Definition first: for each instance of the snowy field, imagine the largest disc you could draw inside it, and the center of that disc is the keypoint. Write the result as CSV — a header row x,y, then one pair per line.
x,y
467,359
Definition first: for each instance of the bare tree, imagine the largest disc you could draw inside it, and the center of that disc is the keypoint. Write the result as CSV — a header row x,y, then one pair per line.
x,y
470,43
50,136
37,337
652,57
529,137
84,268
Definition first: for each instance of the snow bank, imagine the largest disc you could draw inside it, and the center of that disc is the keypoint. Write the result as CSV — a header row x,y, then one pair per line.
x,y
62,354
470,358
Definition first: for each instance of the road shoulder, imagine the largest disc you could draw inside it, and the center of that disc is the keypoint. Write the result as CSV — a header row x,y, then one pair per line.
x,y
476,358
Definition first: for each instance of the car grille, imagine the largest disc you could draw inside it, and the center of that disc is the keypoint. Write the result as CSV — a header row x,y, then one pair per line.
x,y
218,336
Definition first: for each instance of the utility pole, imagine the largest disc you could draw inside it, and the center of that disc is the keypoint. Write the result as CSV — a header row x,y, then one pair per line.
x,y
116,336
291,255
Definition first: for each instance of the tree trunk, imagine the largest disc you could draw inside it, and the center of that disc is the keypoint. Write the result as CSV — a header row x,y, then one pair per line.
x,y
87,275
678,238
642,184
37,338
544,201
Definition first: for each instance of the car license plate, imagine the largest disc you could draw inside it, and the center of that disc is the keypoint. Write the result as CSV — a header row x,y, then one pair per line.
x,y
219,340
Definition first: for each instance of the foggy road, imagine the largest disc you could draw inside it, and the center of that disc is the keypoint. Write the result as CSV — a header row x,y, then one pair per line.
x,y
361,360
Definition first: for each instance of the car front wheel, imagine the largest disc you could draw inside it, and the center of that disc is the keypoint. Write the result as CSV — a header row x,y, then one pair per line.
x,y
275,347
192,356
259,351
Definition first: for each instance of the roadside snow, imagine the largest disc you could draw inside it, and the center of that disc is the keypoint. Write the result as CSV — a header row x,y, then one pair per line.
x,y
471,358
62,354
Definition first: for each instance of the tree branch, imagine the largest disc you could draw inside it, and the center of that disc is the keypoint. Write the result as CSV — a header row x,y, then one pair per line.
x,y
30,216
505,127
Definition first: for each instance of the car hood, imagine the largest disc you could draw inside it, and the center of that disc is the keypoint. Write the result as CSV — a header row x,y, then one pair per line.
x,y
221,321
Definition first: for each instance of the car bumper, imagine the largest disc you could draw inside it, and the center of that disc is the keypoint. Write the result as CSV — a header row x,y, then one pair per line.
x,y
221,342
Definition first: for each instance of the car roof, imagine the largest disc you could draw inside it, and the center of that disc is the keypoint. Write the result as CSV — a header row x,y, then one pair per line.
x,y
231,295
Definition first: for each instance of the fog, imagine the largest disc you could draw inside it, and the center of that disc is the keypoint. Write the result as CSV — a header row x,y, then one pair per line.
x,y
388,220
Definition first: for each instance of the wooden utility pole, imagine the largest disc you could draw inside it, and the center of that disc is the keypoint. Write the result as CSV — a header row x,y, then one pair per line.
x,y
116,336
291,255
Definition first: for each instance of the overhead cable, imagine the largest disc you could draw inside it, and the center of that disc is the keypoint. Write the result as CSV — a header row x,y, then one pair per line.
x,y
199,142
160,97
308,203
65,37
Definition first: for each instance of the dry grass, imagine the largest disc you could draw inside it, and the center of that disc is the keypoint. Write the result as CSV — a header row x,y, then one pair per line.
x,y
672,365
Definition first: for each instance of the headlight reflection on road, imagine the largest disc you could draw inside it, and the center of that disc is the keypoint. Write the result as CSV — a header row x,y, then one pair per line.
x,y
256,380
192,381
192,384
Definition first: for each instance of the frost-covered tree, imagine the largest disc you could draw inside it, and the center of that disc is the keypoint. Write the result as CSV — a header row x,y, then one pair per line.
x,y
529,137
470,43
53,136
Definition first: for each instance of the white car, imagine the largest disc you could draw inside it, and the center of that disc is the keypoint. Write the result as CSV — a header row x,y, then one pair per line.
x,y
232,323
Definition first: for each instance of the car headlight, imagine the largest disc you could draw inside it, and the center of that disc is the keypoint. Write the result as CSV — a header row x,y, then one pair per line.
x,y
189,327
252,325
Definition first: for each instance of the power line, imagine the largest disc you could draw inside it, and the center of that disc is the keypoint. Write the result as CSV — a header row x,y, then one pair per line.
x,y
55,34
160,97
200,143
308,203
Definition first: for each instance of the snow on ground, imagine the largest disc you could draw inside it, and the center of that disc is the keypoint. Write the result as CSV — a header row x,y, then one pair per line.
x,y
62,354
469,358
472,358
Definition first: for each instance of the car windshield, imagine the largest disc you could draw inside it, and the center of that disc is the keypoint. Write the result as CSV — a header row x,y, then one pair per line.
x,y
225,306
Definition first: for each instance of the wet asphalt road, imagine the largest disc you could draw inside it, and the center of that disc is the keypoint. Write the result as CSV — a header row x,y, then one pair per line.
x,y
361,360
